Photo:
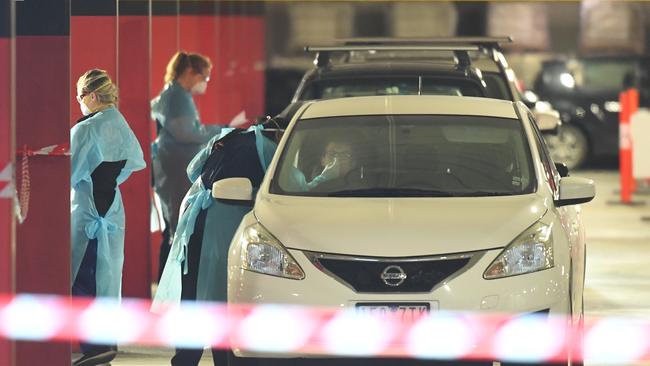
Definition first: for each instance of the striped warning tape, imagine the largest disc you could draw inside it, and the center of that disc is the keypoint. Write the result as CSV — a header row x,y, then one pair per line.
x,y
51,150
6,186
22,195
316,331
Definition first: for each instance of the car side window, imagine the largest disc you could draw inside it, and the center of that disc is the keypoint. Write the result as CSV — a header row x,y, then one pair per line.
x,y
552,175
496,87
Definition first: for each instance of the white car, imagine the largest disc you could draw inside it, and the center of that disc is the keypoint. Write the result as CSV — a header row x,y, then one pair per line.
x,y
411,204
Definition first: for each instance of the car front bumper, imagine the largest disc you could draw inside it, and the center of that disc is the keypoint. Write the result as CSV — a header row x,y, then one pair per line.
x,y
467,291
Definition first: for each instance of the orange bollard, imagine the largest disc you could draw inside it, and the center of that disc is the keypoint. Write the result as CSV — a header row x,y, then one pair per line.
x,y
625,148
633,106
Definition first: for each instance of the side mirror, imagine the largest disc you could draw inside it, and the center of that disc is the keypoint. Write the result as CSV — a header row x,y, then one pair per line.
x,y
548,120
574,191
236,189
562,169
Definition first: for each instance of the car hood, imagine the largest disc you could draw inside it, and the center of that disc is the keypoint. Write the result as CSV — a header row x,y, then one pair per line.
x,y
397,227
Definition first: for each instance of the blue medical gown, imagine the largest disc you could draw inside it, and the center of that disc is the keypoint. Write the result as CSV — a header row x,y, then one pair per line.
x,y
222,219
104,137
180,138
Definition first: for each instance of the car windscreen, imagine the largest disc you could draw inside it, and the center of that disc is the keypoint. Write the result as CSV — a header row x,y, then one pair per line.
x,y
405,156
368,86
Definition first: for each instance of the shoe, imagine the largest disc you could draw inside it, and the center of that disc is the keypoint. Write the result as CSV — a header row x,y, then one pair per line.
x,y
95,359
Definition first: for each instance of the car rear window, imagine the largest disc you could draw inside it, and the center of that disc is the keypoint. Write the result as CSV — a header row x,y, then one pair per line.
x,y
357,87
405,156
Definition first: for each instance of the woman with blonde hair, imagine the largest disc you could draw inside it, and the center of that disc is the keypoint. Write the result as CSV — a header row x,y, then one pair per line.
x,y
180,135
104,153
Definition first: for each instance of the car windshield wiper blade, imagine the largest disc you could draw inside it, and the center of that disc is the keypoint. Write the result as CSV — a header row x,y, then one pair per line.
x,y
390,192
484,193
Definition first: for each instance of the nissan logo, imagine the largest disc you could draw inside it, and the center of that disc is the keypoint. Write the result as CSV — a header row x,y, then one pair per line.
x,y
393,276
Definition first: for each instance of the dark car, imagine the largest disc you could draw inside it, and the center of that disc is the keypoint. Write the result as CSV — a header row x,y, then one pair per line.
x,y
586,93
390,78
442,66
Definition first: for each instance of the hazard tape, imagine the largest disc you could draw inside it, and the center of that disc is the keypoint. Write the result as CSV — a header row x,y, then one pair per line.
x,y
6,178
322,331
51,150
21,196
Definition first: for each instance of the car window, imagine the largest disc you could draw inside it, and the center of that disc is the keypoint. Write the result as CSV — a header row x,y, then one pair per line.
x,y
590,75
405,155
356,87
455,88
551,174
496,86
605,75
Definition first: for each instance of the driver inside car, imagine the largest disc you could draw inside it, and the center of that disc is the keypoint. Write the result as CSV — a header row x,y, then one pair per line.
x,y
338,168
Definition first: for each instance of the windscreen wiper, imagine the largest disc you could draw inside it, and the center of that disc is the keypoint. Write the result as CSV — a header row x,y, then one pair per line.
x,y
484,193
390,192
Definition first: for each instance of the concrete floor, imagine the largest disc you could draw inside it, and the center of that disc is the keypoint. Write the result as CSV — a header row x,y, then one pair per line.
x,y
618,264
618,258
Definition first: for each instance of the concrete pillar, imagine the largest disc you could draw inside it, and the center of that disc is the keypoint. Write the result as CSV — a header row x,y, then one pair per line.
x,y
43,95
7,147
134,65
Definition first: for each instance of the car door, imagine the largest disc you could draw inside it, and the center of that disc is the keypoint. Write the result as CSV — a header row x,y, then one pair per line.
x,y
570,218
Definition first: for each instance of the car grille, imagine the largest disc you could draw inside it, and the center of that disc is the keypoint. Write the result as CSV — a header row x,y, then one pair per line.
x,y
390,275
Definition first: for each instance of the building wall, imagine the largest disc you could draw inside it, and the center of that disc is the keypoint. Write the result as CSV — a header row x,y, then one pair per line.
x,y
42,118
7,274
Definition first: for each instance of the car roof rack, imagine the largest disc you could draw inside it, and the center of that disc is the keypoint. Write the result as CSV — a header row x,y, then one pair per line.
x,y
323,53
489,45
477,41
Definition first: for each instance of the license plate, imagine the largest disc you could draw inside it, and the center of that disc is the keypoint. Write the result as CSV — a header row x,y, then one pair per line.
x,y
402,311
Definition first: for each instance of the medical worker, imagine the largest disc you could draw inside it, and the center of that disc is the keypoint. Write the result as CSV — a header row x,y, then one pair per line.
x,y
104,153
196,268
181,135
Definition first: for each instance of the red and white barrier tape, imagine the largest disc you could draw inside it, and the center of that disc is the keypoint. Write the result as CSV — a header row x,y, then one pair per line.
x,y
21,196
6,178
51,150
318,331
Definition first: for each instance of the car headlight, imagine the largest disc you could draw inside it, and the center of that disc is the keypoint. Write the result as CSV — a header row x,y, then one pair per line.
x,y
263,253
531,251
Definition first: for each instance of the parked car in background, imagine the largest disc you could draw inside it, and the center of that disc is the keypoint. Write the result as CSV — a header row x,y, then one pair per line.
x,y
383,69
437,203
461,66
586,93
281,84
